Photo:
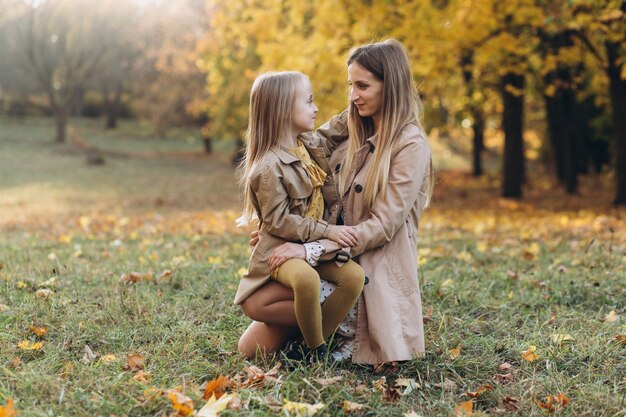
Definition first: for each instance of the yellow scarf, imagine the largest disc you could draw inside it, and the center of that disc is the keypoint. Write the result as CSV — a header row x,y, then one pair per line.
x,y
317,175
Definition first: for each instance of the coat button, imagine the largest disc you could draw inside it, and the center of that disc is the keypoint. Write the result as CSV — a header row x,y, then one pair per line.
x,y
358,188
367,280
337,168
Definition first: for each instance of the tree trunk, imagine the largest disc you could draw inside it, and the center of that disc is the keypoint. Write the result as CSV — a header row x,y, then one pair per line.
x,y
617,88
208,144
61,113
479,143
239,152
554,114
512,123
571,142
112,108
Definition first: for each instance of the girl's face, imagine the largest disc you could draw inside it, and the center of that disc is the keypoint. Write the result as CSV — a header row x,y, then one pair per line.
x,y
366,91
304,110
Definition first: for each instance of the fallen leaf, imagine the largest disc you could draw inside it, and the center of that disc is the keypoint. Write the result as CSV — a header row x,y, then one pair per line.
x,y
26,345
38,331
4,307
7,410
44,293
48,283
180,402
621,339
479,391
552,401
511,403
511,274
559,338
454,353
328,381
16,362
151,393
350,407
214,406
503,379
391,394
611,317
89,356
108,358
215,387
409,385
143,377
301,409
446,384
134,363
561,399
505,366
530,355
465,409
165,275
131,278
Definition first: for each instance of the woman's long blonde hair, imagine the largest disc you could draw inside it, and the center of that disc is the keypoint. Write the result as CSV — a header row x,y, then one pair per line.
x,y
272,100
389,62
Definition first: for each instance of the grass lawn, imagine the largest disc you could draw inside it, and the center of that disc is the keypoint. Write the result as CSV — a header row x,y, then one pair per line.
x,y
498,277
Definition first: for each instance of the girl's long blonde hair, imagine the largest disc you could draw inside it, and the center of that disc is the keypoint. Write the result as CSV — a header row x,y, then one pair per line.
x,y
389,62
272,100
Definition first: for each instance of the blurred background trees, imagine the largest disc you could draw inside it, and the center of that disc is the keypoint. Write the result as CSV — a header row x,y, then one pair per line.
x,y
530,83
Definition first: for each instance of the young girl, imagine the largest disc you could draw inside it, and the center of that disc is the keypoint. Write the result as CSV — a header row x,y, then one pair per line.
x,y
283,189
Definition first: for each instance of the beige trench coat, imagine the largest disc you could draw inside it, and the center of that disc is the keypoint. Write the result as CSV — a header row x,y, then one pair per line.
x,y
389,323
281,191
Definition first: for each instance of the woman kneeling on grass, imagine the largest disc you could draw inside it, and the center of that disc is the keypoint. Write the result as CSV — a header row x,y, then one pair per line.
x,y
385,182
283,184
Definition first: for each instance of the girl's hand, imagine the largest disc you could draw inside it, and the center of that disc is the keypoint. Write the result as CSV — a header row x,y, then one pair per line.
x,y
344,235
285,252
254,238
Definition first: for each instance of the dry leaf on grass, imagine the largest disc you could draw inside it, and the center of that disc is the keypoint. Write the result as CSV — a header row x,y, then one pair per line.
x,y
511,403
38,331
407,385
530,355
611,317
503,379
134,363
215,387
180,402
26,345
479,391
89,356
560,338
301,409
328,381
44,293
350,407
214,405
446,384
454,353
7,410
505,366
464,409
143,377
108,358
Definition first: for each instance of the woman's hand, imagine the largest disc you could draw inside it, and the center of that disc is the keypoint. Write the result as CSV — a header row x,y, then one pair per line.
x,y
285,252
344,235
254,238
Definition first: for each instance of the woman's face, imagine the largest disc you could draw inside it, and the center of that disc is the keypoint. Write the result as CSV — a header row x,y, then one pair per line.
x,y
366,91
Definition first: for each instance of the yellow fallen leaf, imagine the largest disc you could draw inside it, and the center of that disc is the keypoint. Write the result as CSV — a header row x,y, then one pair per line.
x,y
217,260
38,331
464,409
134,363
530,355
143,377
350,407
108,358
214,406
301,409
7,410
454,353
26,345
21,284
611,317
479,391
447,283
180,402
559,338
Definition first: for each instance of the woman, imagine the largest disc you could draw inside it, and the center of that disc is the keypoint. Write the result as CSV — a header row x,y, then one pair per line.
x,y
384,183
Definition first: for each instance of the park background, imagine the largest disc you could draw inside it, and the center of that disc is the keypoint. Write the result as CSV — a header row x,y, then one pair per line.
x,y
120,128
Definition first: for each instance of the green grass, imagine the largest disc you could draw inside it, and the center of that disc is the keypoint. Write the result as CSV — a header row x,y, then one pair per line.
x,y
174,212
